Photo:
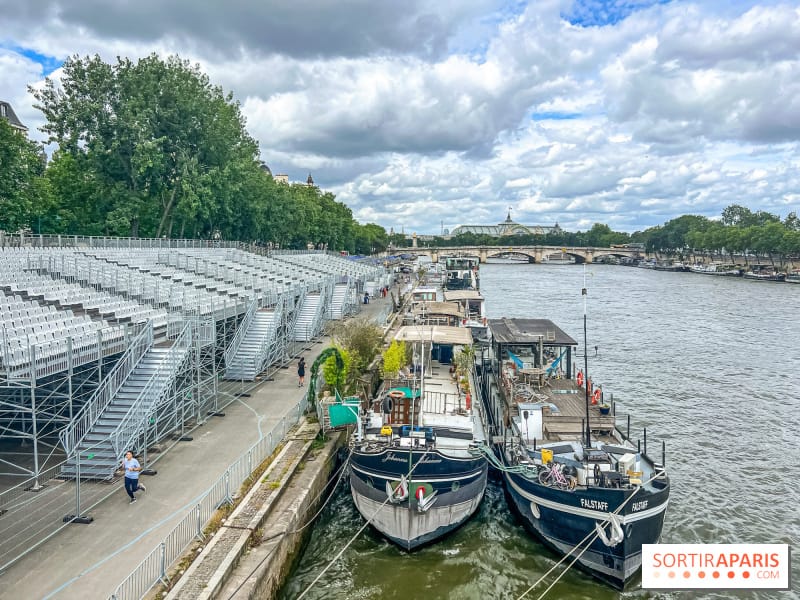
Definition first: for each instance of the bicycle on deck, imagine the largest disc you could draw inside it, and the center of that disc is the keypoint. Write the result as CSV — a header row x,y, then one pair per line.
x,y
552,475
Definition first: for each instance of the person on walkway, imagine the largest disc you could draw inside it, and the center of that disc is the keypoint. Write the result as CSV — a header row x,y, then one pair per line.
x,y
366,297
301,372
132,470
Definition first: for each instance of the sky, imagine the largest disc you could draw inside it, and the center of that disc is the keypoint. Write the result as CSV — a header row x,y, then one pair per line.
x,y
423,115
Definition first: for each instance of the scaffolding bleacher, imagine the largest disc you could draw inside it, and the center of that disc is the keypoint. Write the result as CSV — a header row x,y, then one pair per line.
x,y
103,349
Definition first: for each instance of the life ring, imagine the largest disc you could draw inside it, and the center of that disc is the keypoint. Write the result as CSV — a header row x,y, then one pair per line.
x,y
579,379
596,396
469,402
397,395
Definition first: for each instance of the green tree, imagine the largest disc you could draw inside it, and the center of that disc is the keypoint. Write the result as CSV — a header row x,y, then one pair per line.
x,y
24,192
165,150
394,359
336,377
738,216
361,338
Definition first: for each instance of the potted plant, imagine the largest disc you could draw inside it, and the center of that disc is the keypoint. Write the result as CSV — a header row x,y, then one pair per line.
x,y
605,409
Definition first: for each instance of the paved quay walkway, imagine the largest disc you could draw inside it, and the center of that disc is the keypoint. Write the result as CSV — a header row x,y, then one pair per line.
x,y
90,561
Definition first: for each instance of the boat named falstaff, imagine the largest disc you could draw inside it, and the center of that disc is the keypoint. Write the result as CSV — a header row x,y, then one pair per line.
x,y
575,479
418,461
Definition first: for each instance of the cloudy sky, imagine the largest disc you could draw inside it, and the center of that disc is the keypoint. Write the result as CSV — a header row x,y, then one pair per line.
x,y
422,115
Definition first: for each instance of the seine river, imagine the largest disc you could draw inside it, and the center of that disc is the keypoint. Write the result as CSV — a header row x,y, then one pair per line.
x,y
708,364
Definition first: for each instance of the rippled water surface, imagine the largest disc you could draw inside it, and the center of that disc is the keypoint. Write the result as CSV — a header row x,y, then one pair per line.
x,y
708,364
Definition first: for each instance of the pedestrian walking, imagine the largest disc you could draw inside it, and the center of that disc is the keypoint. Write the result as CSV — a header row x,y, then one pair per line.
x,y
132,471
301,372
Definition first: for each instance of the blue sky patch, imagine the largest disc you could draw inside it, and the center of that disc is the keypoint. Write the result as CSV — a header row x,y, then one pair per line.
x,y
48,63
554,116
597,13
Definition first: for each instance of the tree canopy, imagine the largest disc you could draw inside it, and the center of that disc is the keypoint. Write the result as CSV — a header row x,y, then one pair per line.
x,y
153,149
24,192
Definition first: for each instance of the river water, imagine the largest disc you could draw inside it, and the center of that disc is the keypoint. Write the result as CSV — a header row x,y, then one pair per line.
x,y
708,364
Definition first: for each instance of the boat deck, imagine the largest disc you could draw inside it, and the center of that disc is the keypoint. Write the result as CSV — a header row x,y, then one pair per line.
x,y
562,404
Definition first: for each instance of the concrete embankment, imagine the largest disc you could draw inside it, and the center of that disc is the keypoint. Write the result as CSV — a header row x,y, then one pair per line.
x,y
252,551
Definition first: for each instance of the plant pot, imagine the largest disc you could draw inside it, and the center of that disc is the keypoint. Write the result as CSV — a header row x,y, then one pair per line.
x,y
604,409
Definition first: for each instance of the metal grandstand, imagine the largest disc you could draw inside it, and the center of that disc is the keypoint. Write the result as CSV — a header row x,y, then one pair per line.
x,y
104,350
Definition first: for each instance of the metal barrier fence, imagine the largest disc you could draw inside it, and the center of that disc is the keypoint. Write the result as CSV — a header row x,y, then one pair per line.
x,y
153,569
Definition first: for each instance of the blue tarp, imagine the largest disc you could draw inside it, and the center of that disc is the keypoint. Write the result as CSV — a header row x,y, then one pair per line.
x,y
517,360
554,366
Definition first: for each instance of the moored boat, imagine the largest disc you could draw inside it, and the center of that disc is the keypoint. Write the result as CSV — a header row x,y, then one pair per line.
x,y
719,269
670,266
793,276
417,470
764,273
462,273
473,310
575,479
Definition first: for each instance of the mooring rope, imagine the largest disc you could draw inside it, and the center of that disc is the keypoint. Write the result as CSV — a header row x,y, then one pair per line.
x,y
593,534
341,471
357,533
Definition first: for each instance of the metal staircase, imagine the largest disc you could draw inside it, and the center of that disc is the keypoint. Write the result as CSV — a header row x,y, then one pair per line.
x,y
340,301
309,320
120,413
255,345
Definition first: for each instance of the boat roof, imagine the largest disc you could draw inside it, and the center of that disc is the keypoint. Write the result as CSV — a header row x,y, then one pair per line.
x,y
438,334
528,331
438,308
462,295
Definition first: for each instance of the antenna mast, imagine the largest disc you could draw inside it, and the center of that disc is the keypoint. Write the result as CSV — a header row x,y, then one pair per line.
x,y
584,293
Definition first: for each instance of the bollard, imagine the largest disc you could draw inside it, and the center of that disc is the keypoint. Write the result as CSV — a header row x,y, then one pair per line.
x,y
645,441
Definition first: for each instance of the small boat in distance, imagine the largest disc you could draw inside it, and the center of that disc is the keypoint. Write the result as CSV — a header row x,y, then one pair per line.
x,y
462,273
793,276
764,273
670,265
719,269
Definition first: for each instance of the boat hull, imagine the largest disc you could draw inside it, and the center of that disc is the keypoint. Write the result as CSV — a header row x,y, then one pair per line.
x,y
459,486
562,520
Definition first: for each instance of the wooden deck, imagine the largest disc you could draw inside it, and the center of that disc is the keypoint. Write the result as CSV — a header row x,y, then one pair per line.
x,y
568,421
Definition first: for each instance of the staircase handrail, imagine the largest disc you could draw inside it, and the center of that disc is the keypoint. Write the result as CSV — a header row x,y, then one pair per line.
x,y
280,307
139,412
233,348
95,406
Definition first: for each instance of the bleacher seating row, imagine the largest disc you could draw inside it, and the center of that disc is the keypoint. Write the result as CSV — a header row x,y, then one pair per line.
x,y
88,295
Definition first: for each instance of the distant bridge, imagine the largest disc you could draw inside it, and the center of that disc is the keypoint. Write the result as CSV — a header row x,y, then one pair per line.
x,y
533,254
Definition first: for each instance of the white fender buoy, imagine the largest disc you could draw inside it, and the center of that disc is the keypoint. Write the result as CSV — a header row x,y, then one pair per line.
x,y
535,511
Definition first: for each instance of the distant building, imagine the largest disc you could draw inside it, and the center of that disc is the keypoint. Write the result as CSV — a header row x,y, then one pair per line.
x,y
281,177
7,113
310,181
507,227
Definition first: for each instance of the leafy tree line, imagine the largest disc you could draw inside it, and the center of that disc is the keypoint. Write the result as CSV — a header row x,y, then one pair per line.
x,y
152,149
739,231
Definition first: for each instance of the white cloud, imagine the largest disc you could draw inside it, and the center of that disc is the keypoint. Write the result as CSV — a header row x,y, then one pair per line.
x,y
452,112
